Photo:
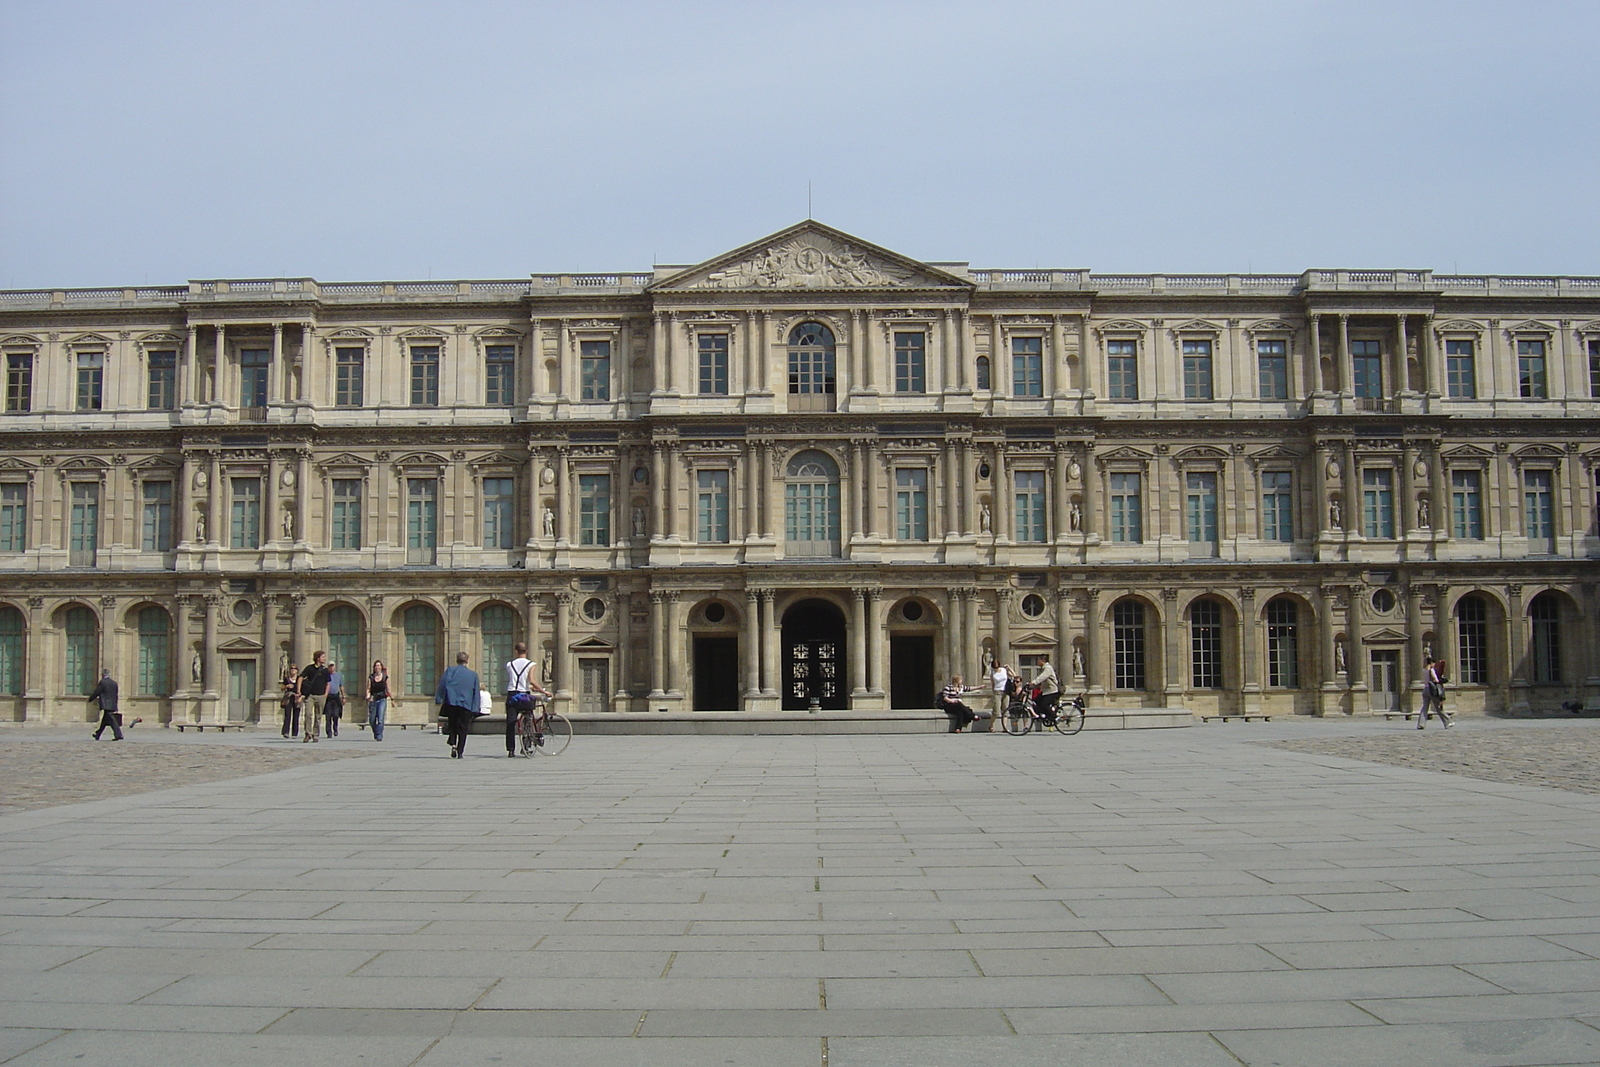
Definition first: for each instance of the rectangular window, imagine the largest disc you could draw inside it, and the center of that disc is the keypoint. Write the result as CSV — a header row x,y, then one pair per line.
x,y
346,513
1472,641
422,520
911,504
499,374
1127,644
711,506
713,364
162,394
1531,369
1201,511
1283,645
1366,368
157,517
83,531
1378,502
1030,505
1461,370
499,511
1466,504
1277,506
1205,644
13,517
350,377
595,370
594,509
1027,366
91,370
19,382
1122,370
1538,516
1594,369
1126,513
255,370
245,513
910,363
1197,370
424,376
1272,359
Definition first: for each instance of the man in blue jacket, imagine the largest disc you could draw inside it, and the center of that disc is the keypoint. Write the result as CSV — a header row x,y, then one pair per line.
x,y
457,697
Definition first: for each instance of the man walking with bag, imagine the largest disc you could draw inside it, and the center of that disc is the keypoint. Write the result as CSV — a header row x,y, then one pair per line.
x,y
457,697
110,718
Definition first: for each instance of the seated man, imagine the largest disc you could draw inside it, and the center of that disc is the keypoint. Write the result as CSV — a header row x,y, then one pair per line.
x,y
951,704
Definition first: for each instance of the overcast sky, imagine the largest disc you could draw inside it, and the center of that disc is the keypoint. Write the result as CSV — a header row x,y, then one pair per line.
x,y
155,141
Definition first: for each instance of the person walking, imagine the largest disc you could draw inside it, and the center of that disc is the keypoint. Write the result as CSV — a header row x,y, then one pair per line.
x,y
110,718
290,684
520,688
314,693
377,698
1049,687
333,710
1433,694
457,697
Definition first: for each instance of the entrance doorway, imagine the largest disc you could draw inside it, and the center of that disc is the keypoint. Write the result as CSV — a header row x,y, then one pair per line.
x,y
242,690
911,681
814,657
594,686
716,674
1385,685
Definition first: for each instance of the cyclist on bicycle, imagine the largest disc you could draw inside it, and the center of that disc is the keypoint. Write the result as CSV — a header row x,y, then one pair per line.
x,y
520,687
1048,686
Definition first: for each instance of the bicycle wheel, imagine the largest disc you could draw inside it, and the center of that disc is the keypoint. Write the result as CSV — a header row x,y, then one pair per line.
x,y
525,730
1069,720
1016,719
557,735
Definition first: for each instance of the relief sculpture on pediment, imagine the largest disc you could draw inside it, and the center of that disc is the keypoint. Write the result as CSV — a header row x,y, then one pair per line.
x,y
809,262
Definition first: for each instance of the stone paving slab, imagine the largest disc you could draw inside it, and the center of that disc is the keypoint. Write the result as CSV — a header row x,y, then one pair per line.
x,y
1185,897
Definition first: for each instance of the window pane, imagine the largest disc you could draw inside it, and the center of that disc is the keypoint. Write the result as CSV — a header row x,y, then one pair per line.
x,y
1201,505
499,374
909,363
19,382
1472,641
422,520
1127,627
1274,369
155,653
911,504
1283,652
1536,509
1277,506
1125,508
1378,502
713,364
1205,644
82,651
13,517
245,515
255,370
84,524
163,381
422,668
1030,505
984,377
1461,375
91,367
1122,370
1466,504
347,513
1545,615
595,370
499,512
350,377
712,506
594,509
499,625
12,651
157,517
1531,369
344,645
1027,366
424,375
1197,370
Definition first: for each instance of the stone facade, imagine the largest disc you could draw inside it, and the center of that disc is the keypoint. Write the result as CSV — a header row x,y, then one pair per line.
x,y
809,472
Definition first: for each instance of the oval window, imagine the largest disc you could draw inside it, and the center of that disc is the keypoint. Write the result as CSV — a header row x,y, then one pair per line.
x,y
594,609
911,611
1383,601
1033,605
715,612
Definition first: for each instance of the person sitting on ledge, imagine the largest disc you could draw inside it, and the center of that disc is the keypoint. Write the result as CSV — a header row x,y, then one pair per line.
x,y
951,704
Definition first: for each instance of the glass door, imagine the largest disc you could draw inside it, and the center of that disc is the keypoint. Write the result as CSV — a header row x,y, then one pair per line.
x,y
1385,679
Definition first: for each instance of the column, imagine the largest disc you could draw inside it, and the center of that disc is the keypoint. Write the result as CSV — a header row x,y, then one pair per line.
x,y
948,371
1063,656
962,497
1356,654
216,513
218,362
185,647
868,364
764,479
535,643
1351,490
1406,504
658,507
955,633
560,660
624,690
772,640
278,369
752,644
661,383
1433,375
858,643
999,522
658,645
1400,377
183,499
109,628
763,357
856,510
212,659
297,629
1002,626
1517,640
949,514
677,635
566,497
1249,642
302,494
1314,372
875,641
1093,523
1056,362
1059,492
187,370
1094,666
869,489
1414,626
270,674
971,655
565,371
269,501
1172,673
1347,385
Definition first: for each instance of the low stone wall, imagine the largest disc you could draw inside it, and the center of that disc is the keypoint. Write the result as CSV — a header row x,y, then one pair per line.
x,y
735,723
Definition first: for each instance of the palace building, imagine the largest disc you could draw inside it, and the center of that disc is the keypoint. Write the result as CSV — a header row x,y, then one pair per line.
x,y
810,473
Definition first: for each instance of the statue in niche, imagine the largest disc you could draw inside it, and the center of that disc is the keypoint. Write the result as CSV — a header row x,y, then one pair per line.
x,y
641,525
1424,513
200,527
1340,666
283,663
549,522
195,668
983,517
1075,517
1427,652
1335,514
288,524
1077,662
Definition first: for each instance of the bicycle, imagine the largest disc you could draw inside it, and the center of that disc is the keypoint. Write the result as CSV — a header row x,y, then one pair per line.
x,y
542,730
1023,716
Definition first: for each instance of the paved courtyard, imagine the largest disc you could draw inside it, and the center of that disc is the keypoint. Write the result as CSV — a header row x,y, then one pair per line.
x,y
1158,897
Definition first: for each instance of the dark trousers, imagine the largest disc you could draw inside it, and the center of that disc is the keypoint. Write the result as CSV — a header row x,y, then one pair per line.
x,y
458,720
110,720
1047,705
959,714
291,720
332,712
512,720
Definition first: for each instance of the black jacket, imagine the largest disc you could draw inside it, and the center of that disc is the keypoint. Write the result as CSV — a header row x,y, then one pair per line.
x,y
106,693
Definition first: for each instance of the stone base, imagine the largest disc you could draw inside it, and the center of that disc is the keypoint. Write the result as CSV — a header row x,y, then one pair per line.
x,y
1137,718
739,723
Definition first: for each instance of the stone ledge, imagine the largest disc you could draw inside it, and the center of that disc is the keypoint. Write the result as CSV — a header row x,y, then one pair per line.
x,y
734,723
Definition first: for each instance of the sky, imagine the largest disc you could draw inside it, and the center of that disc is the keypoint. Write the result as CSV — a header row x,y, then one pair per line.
x,y
149,142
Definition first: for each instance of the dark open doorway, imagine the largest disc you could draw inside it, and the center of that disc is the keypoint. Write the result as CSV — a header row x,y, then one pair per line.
x,y
716,674
814,657
911,681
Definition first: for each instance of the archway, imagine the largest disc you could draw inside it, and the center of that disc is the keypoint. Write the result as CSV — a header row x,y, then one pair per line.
x,y
814,662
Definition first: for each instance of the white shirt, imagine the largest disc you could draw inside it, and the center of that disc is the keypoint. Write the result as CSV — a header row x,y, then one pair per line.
x,y
999,679
519,673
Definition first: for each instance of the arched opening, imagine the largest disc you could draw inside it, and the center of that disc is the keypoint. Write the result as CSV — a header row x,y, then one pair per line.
x,y
1128,667
1283,644
1472,641
715,641
913,625
1544,651
812,382
155,653
814,666
82,660
343,624
422,661
497,625
13,647
1205,644
811,506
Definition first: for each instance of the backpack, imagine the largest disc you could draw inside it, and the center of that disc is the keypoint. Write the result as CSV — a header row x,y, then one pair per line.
x,y
519,702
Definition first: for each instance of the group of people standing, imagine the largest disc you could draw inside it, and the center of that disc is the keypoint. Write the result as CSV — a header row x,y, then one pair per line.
x,y
459,702
1004,682
317,693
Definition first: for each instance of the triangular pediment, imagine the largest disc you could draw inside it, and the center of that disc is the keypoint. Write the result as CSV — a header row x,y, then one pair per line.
x,y
239,645
1386,635
810,255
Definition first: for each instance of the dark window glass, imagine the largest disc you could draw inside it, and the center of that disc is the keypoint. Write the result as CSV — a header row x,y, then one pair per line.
x,y
985,379
1461,370
1197,370
157,532
1545,614
499,374
162,392
1366,367
13,517
1127,628
1205,644
1472,641
713,364
910,375
1027,366
1277,506
19,382
1283,644
349,387
255,371
347,513
1466,504
91,370
424,376
1272,358
1531,369
499,512
594,366
1122,370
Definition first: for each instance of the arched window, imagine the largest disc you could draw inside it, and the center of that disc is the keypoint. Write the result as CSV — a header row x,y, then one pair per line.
x,y
1283,644
1127,630
12,628
344,644
422,640
985,380
1472,641
812,383
1545,613
155,652
1205,644
498,624
82,650
811,506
